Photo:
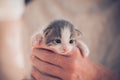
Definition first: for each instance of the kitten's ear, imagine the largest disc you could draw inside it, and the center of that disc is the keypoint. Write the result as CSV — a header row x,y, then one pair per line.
x,y
36,39
78,33
47,32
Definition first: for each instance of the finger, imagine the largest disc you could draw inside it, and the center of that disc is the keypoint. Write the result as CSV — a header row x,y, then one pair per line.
x,y
41,76
48,68
32,78
52,57
75,53
57,59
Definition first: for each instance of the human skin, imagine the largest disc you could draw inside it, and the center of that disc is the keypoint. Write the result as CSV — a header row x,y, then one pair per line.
x,y
48,65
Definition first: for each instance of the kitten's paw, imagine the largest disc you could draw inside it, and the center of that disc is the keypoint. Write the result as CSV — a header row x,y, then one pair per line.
x,y
84,49
86,52
36,39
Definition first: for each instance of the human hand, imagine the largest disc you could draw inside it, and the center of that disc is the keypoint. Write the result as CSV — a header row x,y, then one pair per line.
x,y
52,66
48,65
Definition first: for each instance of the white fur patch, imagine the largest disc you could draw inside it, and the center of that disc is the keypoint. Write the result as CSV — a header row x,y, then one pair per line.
x,y
65,35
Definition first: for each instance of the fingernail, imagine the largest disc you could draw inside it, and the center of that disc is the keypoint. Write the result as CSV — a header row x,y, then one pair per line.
x,y
32,57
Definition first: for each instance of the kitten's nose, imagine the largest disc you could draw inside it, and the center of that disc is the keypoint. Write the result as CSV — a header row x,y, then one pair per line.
x,y
64,49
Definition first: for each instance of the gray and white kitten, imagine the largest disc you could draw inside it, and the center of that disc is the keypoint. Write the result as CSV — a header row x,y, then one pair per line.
x,y
61,36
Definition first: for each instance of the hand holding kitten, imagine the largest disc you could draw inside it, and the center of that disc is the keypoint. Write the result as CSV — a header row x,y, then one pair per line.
x,y
51,61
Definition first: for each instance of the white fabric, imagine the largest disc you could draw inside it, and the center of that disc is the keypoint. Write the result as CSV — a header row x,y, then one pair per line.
x,y
11,9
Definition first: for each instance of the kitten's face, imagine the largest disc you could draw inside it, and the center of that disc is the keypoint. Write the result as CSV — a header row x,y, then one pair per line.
x,y
61,38
63,44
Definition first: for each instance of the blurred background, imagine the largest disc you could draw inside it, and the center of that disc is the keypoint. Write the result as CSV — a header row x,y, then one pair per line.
x,y
98,20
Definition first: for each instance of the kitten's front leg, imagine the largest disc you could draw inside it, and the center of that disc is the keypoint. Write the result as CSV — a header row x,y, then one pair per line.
x,y
83,48
36,39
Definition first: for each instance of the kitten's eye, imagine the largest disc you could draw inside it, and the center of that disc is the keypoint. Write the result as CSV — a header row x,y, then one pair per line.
x,y
57,41
71,41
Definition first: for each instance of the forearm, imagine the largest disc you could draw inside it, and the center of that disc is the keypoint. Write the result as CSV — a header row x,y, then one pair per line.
x,y
97,72
105,74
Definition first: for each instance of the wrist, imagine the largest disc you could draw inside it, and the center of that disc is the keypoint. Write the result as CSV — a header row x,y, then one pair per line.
x,y
105,74
91,71
102,73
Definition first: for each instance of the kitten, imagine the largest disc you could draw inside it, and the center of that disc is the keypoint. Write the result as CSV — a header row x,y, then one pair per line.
x,y
61,36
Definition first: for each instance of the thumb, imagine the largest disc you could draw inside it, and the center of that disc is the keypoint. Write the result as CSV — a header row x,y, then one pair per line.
x,y
76,53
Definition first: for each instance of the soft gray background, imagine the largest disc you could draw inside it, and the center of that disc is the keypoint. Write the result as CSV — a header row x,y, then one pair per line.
x,y
97,19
